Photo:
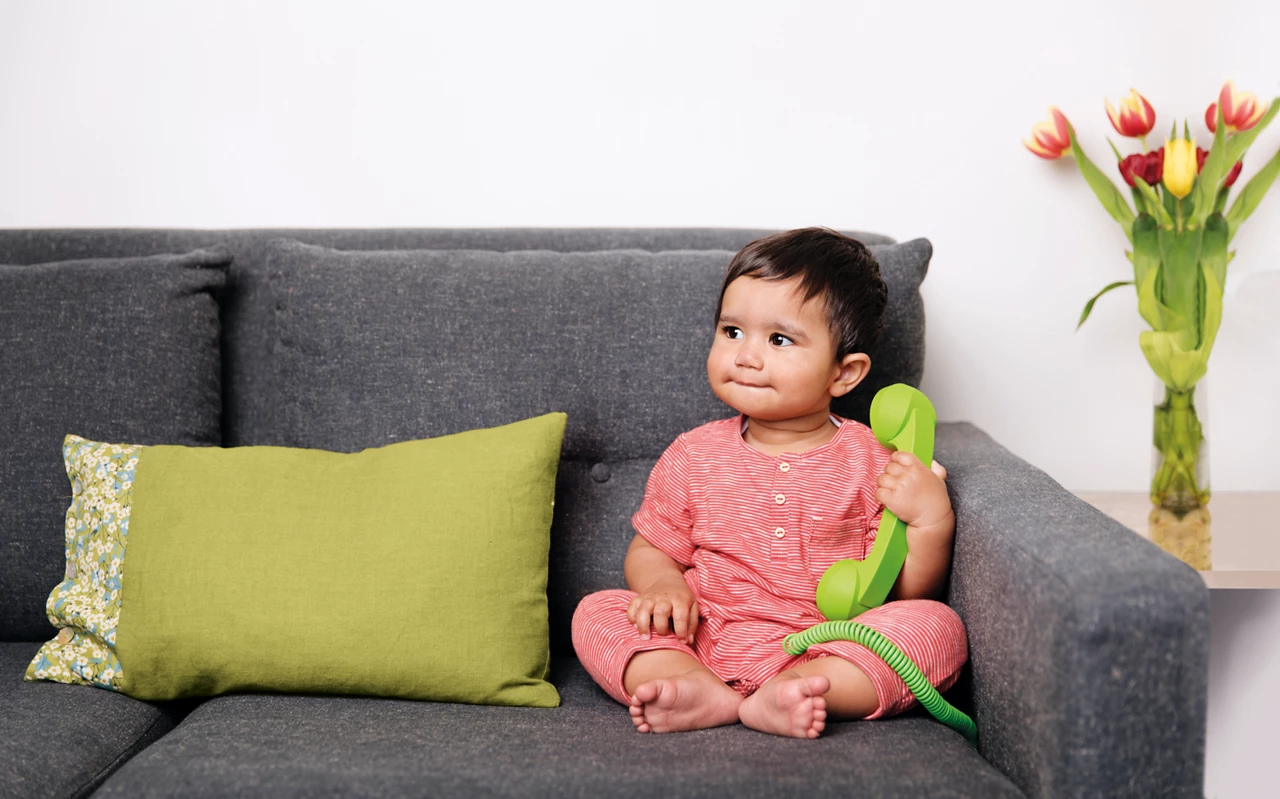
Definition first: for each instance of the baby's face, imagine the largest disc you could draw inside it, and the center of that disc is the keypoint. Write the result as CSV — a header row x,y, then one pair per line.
x,y
773,358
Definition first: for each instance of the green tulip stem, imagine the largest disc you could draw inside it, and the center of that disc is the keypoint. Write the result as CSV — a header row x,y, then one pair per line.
x,y
1177,440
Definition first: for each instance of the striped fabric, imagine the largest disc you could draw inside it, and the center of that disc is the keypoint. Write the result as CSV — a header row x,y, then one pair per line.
x,y
757,532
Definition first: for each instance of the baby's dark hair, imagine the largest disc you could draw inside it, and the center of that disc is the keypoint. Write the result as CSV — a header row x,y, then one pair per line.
x,y
840,269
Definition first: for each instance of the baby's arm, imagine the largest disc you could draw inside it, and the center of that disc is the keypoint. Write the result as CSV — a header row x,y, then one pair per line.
x,y
918,496
662,593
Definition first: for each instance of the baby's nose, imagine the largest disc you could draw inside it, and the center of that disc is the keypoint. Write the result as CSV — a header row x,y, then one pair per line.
x,y
747,357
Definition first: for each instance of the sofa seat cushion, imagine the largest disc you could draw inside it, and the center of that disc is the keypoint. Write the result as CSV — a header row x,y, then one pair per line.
x,y
267,745
64,740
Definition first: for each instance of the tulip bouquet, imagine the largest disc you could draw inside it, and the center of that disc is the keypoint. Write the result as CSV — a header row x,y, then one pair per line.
x,y
1179,228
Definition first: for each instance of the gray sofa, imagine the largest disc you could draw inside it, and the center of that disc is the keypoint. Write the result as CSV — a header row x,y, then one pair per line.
x,y
1088,646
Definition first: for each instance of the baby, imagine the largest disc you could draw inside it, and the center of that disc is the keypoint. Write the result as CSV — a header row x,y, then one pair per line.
x,y
742,516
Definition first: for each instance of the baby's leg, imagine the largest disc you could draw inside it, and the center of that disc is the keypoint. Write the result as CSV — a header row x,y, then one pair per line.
x,y
660,679
855,683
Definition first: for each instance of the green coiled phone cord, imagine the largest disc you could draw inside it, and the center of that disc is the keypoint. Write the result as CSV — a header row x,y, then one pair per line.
x,y
886,650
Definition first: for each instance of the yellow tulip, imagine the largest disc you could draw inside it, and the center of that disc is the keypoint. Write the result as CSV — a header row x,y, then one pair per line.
x,y
1179,166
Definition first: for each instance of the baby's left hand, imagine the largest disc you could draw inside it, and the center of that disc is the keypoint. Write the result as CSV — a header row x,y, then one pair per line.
x,y
915,494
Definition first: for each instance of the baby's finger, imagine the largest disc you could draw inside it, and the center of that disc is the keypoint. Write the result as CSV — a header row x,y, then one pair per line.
x,y
661,617
642,617
907,459
632,608
939,470
680,617
693,621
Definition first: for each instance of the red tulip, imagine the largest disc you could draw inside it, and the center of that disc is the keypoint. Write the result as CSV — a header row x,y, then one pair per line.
x,y
1148,166
1202,154
1050,139
1136,117
1240,110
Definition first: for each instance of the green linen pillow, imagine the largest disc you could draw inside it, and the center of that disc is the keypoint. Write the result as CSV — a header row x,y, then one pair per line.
x,y
415,570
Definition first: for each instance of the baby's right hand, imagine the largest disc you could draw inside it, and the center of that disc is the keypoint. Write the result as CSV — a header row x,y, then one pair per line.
x,y
667,600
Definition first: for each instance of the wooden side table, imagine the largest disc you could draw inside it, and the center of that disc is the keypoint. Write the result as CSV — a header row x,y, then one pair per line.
x,y
1244,533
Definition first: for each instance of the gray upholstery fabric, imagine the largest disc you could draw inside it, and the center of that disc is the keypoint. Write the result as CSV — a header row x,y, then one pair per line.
x,y
247,313
120,350
1088,645
296,746
374,347
63,740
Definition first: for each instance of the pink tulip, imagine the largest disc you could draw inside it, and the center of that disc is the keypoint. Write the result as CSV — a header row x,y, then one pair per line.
x,y
1240,110
1136,117
1052,138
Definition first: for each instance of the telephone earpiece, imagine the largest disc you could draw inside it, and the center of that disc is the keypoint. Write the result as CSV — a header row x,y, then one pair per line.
x,y
902,419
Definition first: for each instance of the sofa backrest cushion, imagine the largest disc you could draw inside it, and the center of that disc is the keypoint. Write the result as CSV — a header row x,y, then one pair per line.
x,y
120,349
247,313
374,346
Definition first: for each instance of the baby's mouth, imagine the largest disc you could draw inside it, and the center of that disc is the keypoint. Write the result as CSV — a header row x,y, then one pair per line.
x,y
750,385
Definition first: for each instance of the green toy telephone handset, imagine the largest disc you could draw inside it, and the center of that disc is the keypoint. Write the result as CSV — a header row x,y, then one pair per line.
x,y
902,419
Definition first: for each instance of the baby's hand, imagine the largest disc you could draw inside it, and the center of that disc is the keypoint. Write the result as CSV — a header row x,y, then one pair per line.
x,y
916,495
668,599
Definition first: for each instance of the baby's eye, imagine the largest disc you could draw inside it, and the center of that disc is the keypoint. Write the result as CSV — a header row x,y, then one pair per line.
x,y
731,331
777,338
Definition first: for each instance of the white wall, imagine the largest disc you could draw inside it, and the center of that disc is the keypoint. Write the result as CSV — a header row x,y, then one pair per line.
x,y
895,117
883,116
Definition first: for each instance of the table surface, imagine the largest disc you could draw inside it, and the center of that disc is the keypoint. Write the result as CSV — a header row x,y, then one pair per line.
x,y
1244,533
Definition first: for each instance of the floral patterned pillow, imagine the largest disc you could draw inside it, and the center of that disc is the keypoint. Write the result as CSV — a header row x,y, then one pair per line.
x,y
86,604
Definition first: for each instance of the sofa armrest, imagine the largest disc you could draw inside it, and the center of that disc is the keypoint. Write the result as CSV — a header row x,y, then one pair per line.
x,y
1089,645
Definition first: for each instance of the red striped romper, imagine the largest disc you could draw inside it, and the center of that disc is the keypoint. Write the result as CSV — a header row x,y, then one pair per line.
x,y
757,532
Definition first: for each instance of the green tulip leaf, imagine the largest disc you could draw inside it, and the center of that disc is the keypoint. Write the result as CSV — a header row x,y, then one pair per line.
x,y
1179,366
1213,248
1210,180
1220,204
1160,316
1088,307
1153,202
1110,197
1252,194
1146,248
1180,274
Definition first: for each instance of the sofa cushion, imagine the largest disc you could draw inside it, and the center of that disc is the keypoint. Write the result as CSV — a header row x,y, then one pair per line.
x,y
115,349
414,570
63,740
247,310
378,346
306,746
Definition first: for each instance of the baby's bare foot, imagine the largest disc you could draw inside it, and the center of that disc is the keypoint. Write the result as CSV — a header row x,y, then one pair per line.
x,y
790,705
683,702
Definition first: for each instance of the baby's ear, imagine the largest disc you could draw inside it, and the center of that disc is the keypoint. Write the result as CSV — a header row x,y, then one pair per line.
x,y
853,368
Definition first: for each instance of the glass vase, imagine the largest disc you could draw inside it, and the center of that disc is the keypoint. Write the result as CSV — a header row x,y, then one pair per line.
x,y
1179,520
